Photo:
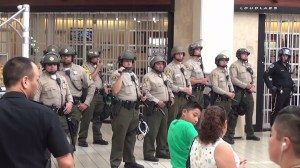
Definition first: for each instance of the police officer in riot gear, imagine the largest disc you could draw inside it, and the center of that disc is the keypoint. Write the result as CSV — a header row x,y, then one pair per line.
x,y
78,78
242,77
180,85
223,91
281,85
195,71
125,113
51,48
53,91
92,113
159,98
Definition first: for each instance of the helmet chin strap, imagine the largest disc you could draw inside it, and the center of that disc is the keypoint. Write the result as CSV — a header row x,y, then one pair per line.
x,y
179,60
157,71
243,60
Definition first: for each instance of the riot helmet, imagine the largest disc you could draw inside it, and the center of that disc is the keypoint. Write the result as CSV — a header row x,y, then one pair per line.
x,y
50,58
195,45
94,53
51,48
68,50
127,55
155,59
223,55
177,50
240,51
284,51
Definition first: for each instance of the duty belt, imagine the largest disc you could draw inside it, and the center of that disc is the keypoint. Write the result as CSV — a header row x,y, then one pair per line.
x,y
221,98
99,91
179,94
129,104
198,87
59,111
77,100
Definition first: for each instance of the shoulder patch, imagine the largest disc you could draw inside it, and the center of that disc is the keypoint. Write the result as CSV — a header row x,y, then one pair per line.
x,y
168,73
145,82
213,75
233,66
186,65
114,77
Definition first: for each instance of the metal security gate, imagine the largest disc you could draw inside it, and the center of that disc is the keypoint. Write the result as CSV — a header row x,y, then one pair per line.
x,y
112,32
281,31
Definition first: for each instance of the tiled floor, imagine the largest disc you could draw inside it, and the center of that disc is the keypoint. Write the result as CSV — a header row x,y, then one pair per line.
x,y
97,156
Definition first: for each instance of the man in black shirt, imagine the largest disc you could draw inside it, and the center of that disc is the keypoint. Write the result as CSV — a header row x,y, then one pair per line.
x,y
281,84
27,128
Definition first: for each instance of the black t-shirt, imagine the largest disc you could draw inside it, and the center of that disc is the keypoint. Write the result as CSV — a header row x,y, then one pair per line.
x,y
27,129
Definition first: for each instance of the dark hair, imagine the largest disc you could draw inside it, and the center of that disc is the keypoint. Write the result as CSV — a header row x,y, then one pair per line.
x,y
212,125
287,124
15,69
190,105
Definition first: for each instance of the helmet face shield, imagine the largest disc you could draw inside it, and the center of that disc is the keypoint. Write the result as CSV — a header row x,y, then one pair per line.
x,y
224,55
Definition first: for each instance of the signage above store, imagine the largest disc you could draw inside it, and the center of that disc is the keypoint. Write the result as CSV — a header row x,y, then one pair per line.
x,y
258,8
250,8
267,9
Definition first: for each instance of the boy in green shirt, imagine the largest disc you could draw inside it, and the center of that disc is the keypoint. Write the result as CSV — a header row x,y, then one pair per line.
x,y
182,133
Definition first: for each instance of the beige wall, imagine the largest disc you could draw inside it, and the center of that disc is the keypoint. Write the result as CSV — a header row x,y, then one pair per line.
x,y
246,36
183,24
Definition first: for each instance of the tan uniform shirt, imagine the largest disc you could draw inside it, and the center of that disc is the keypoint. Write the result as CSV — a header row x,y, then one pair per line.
x,y
193,69
176,77
155,88
50,93
81,79
239,74
91,68
128,88
220,83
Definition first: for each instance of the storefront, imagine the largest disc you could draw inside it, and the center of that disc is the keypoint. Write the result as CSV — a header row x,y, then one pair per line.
x,y
113,26
278,24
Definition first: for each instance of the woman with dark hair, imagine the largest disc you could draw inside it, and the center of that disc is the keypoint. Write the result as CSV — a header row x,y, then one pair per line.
x,y
284,144
208,149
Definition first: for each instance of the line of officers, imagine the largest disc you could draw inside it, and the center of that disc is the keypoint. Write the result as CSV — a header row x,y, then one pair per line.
x,y
165,89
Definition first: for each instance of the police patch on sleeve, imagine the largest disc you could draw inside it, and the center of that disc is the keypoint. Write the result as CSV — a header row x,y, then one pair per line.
x,y
168,73
186,66
145,82
233,66
213,75
114,78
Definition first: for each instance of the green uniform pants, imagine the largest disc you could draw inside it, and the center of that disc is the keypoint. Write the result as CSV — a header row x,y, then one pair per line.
x,y
226,104
158,129
176,107
76,114
248,99
92,113
124,125
198,93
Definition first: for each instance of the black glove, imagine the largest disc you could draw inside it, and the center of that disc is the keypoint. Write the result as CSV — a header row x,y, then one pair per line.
x,y
274,89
